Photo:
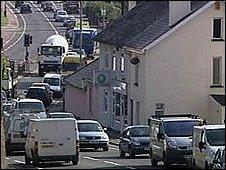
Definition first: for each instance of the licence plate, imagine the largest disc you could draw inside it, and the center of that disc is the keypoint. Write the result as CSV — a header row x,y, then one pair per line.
x,y
47,146
93,142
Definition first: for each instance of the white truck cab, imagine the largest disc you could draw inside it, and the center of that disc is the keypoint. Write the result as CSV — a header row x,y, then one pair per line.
x,y
55,82
206,140
58,143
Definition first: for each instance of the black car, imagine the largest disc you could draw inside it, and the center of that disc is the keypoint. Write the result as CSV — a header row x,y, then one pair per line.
x,y
134,140
25,9
39,93
219,159
18,4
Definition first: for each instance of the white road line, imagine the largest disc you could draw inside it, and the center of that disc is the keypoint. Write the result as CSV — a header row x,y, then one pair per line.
x,y
47,19
108,162
18,161
24,29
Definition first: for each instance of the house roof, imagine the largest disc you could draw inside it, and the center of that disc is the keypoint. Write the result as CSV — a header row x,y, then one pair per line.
x,y
86,73
141,25
219,99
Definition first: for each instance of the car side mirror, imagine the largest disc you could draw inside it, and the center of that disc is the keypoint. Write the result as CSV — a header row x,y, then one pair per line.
x,y
39,51
160,136
105,129
202,145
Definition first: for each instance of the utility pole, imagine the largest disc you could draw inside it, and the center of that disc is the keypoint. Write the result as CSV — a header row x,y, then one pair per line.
x,y
80,54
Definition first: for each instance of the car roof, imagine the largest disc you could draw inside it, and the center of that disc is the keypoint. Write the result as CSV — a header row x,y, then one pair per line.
x,y
36,87
52,75
210,127
29,100
179,119
87,121
44,84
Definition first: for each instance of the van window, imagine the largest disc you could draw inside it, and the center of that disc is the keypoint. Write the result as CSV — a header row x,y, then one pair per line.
x,y
31,105
52,81
179,128
216,137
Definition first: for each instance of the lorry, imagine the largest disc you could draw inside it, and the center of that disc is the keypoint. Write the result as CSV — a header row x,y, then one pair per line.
x,y
52,140
51,54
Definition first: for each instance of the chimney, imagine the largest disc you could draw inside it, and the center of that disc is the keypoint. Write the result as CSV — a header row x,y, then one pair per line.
x,y
178,10
127,5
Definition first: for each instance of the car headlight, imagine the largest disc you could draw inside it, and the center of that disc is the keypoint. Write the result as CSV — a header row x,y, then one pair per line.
x,y
135,142
172,144
104,137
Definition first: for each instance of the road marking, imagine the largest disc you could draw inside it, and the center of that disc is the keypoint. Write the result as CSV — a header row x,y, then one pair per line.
x,y
18,161
47,19
23,32
108,162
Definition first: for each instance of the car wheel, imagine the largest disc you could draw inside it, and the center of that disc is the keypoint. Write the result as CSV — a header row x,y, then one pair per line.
x,y
105,149
75,160
121,153
206,165
131,153
165,161
154,162
7,150
27,160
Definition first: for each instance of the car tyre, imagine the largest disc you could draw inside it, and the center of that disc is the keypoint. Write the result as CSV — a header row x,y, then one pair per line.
x,y
105,149
165,161
154,162
27,160
121,153
75,160
131,153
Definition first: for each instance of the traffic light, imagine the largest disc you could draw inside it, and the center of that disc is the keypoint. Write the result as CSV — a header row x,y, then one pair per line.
x,y
26,40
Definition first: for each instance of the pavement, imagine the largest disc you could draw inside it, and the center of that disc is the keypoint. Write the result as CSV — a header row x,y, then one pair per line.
x,y
113,136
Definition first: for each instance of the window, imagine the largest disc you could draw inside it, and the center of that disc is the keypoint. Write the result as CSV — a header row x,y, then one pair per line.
x,y
122,63
217,28
105,101
217,71
117,104
136,78
113,63
159,108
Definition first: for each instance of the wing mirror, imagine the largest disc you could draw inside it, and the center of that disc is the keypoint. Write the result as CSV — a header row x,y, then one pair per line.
x,y
39,51
160,136
105,129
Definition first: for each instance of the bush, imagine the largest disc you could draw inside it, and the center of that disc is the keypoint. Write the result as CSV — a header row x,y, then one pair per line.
x,y
93,11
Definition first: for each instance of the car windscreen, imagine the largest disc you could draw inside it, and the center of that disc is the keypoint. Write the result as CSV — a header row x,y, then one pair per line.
x,y
31,106
139,132
179,128
35,93
51,50
216,137
52,81
61,116
89,127
62,13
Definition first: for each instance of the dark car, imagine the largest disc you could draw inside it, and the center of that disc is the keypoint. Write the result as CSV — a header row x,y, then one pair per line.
x,y
25,8
39,93
69,21
47,87
48,6
219,159
134,140
18,4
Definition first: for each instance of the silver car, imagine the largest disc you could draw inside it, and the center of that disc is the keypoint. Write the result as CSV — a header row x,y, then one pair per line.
x,y
92,135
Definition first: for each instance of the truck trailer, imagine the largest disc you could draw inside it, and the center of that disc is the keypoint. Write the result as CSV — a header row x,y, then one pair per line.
x,y
52,53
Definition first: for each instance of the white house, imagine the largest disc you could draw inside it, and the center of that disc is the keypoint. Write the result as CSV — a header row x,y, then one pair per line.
x,y
167,57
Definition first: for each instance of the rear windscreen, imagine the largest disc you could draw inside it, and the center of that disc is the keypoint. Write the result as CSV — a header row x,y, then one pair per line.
x,y
20,125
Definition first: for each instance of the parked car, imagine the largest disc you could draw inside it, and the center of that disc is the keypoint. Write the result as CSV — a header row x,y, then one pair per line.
x,y
70,19
61,15
55,82
47,87
206,140
18,4
170,138
134,140
30,106
52,140
16,133
25,8
219,159
60,115
48,6
92,135
40,93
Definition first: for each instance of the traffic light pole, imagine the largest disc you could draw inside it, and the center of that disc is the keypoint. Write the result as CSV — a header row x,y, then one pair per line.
x,y
80,55
27,68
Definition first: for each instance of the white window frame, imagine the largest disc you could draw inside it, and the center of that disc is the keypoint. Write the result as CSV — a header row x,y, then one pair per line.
x,y
160,107
221,33
220,76
113,62
122,63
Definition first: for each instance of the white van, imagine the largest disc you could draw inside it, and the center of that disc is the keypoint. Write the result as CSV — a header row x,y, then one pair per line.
x,y
16,133
52,140
206,140
55,82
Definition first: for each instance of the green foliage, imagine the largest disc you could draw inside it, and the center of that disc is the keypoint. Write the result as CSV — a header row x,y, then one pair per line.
x,y
4,20
93,10
4,65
